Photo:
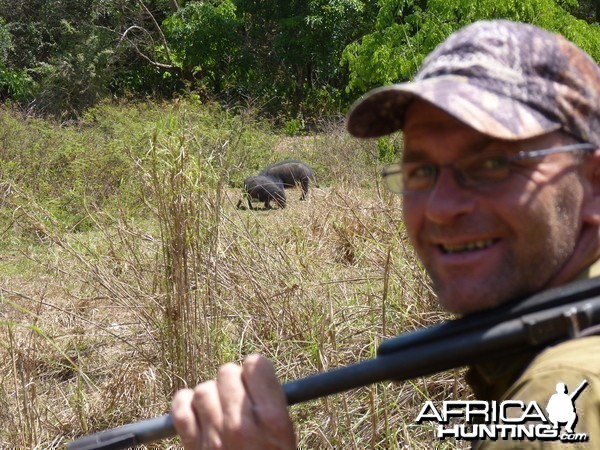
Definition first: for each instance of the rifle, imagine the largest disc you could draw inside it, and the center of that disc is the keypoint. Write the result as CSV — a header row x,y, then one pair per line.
x,y
528,325
578,391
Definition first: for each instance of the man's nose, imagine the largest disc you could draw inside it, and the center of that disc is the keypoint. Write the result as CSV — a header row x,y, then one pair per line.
x,y
448,199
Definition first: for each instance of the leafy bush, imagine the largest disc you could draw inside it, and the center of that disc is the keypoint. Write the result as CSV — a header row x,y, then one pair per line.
x,y
15,84
75,170
205,43
405,32
75,80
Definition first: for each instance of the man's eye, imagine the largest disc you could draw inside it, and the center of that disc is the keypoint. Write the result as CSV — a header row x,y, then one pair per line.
x,y
419,177
420,171
492,169
493,163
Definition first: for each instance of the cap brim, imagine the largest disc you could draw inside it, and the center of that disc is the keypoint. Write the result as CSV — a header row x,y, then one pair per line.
x,y
382,110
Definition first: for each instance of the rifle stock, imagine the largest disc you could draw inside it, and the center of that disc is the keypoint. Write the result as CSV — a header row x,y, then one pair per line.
x,y
544,319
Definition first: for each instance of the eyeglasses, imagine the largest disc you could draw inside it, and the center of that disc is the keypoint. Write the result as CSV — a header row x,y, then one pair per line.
x,y
471,172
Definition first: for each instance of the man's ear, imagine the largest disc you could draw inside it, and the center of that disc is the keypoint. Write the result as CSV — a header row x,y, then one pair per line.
x,y
591,207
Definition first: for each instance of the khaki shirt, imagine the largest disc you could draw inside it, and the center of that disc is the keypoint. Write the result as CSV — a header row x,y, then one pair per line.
x,y
536,376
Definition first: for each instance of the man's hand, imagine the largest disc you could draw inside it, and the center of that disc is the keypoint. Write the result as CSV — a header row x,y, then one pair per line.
x,y
243,409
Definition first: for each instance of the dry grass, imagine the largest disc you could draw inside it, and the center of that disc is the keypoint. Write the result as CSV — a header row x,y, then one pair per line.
x,y
100,327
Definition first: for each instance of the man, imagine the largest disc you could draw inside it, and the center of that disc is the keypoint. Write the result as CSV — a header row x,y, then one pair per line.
x,y
561,408
500,177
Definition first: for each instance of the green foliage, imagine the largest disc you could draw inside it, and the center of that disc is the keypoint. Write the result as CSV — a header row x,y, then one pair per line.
x,y
75,80
69,171
551,15
301,58
291,51
315,32
71,49
294,126
388,149
59,56
406,31
74,171
15,84
6,44
323,103
205,43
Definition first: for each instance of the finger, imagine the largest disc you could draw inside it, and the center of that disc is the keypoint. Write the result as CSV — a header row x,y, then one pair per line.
x,y
207,406
261,382
236,406
269,405
184,419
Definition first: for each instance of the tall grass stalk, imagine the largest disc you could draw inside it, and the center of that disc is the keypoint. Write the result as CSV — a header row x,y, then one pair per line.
x,y
167,279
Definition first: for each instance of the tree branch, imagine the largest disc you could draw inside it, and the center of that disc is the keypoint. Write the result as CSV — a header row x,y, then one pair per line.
x,y
159,29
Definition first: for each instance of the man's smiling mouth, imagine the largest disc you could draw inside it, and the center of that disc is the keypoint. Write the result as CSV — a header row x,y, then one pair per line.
x,y
467,247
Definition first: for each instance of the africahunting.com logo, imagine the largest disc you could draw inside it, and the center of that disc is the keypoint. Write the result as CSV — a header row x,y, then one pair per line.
x,y
508,420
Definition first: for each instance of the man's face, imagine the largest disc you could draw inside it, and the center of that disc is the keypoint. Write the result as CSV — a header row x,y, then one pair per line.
x,y
486,245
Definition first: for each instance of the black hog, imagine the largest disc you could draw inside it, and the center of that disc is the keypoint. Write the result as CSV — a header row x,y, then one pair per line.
x,y
264,189
292,173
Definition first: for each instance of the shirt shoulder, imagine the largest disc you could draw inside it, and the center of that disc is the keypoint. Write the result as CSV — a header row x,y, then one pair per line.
x,y
575,355
576,364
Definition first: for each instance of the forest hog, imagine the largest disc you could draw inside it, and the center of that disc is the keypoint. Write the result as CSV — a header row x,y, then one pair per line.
x,y
263,189
292,173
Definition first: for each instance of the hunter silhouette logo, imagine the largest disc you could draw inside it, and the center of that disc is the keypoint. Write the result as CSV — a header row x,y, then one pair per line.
x,y
561,406
510,419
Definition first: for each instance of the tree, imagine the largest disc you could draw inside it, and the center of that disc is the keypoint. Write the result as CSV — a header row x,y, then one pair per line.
x,y
68,50
279,50
407,30
14,83
588,10
294,48
206,44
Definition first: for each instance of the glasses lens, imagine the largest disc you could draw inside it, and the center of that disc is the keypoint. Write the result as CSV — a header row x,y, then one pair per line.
x,y
392,176
418,177
489,169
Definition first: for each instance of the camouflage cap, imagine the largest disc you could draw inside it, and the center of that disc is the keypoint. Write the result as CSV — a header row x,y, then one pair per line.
x,y
505,79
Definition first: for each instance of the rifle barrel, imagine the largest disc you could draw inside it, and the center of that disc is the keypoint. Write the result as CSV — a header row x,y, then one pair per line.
x,y
578,390
396,362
